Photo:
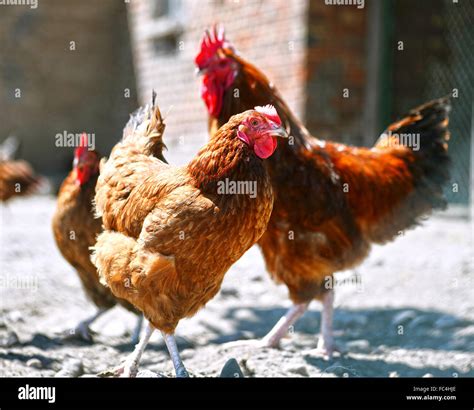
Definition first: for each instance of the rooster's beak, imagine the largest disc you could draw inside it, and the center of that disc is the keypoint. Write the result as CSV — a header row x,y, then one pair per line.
x,y
200,71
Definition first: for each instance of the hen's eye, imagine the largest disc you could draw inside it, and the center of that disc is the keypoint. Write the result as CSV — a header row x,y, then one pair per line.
x,y
254,122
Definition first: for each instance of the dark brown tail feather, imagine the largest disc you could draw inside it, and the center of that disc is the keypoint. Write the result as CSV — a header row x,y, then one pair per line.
x,y
431,165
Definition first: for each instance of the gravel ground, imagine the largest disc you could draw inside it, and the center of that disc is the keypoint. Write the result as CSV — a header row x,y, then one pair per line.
x,y
407,311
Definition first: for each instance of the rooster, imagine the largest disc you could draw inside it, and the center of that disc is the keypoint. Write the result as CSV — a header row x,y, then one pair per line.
x,y
17,178
171,233
76,229
332,201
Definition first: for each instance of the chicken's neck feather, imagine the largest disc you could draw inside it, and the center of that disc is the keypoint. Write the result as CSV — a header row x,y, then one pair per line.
x,y
254,89
225,156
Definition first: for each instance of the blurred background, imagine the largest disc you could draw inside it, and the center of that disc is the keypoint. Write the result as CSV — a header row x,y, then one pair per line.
x,y
346,71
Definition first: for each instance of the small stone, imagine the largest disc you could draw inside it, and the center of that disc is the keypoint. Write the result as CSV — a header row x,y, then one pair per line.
x,y
340,371
148,373
15,316
34,362
229,292
71,368
231,370
361,345
10,339
301,370
403,317
245,314
187,354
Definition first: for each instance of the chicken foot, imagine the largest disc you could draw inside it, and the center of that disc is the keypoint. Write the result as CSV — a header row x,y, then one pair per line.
x,y
272,339
82,331
326,345
129,368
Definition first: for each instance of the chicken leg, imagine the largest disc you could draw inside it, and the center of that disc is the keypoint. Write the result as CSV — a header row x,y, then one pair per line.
x,y
326,344
137,331
129,368
174,354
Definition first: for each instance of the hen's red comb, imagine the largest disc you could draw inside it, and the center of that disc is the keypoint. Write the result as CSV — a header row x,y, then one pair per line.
x,y
83,143
211,42
270,112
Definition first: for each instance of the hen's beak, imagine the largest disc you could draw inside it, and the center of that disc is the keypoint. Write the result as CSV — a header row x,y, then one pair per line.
x,y
279,131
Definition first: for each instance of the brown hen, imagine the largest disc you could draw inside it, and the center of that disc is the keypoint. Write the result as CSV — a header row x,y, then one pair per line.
x,y
17,178
76,229
171,233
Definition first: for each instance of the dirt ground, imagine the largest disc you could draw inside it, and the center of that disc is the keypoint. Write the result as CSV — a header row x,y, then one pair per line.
x,y
407,311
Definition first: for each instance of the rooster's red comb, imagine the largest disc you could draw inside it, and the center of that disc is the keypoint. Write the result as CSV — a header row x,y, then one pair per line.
x,y
270,112
83,144
212,41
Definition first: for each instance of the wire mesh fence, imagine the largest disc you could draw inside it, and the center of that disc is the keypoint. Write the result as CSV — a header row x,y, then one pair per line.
x,y
457,75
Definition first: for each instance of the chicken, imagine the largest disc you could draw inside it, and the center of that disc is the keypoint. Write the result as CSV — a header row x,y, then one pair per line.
x,y
75,230
17,178
332,201
171,233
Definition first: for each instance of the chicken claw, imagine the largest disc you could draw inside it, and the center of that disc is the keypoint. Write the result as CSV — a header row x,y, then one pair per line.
x,y
129,368
82,331
272,339
326,349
